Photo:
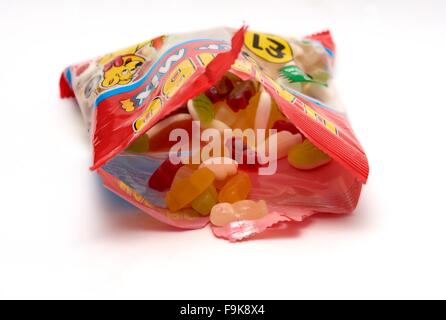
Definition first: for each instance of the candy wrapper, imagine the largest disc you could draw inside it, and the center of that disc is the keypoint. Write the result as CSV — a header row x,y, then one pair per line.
x,y
238,129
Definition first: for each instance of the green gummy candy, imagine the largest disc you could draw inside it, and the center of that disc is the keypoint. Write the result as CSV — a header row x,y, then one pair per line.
x,y
205,201
203,107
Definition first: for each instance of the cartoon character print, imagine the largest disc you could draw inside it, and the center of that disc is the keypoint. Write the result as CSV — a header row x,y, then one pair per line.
x,y
121,67
121,70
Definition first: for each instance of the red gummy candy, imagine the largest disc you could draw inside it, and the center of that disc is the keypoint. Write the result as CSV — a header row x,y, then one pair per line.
x,y
239,97
284,125
252,166
162,178
212,94
246,153
220,90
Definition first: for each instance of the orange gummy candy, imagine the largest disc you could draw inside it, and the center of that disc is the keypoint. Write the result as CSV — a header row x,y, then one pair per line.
x,y
184,191
237,188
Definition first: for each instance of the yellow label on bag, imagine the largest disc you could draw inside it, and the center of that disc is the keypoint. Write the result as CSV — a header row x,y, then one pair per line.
x,y
205,58
153,108
178,77
269,47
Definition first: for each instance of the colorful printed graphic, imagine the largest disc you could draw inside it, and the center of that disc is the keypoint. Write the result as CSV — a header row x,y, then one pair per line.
x,y
121,70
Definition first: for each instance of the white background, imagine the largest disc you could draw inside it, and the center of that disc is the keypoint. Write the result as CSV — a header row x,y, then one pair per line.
x,y
63,236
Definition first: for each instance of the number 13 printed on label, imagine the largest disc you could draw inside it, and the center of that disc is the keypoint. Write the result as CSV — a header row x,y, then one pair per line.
x,y
269,47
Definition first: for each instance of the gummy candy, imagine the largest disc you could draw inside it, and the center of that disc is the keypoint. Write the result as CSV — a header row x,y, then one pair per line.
x,y
184,191
140,145
219,125
235,79
205,201
214,151
183,173
222,167
248,115
220,90
275,114
201,109
225,114
212,94
193,166
239,97
263,111
250,209
306,156
243,154
285,141
281,141
159,133
219,184
242,119
224,213
285,125
237,188
163,176
238,147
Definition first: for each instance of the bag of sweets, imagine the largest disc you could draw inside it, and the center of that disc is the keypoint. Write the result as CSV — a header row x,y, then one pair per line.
x,y
236,128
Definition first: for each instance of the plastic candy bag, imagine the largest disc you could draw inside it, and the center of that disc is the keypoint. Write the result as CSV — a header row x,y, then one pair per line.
x,y
133,98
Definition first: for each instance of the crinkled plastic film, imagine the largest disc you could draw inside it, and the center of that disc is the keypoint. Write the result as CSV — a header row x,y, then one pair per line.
x,y
123,94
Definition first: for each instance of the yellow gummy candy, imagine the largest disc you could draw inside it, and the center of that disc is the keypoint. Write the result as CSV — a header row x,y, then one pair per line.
x,y
237,188
205,201
306,156
184,191
225,114
251,111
